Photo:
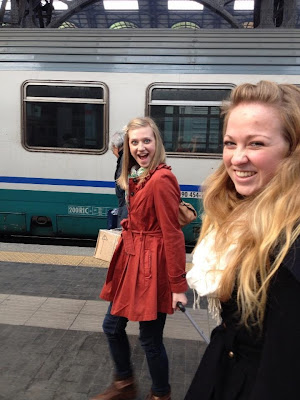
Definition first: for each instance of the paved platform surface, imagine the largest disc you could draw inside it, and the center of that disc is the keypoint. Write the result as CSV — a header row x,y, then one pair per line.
x,y
51,342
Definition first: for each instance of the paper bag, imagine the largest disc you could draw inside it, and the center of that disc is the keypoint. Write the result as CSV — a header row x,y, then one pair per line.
x,y
106,243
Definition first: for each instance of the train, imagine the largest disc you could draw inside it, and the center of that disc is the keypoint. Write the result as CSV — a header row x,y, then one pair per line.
x,y
65,91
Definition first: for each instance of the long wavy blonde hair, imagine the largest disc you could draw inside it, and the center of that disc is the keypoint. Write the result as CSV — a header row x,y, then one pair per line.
x,y
264,225
129,161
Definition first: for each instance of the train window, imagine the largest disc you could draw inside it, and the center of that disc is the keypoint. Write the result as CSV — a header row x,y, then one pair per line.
x,y
189,94
189,117
65,117
80,92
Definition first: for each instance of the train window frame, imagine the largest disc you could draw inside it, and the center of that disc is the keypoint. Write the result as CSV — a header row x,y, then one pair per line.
x,y
104,118
150,102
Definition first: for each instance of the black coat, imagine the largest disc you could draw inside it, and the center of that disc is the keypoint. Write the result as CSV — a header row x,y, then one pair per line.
x,y
120,193
245,365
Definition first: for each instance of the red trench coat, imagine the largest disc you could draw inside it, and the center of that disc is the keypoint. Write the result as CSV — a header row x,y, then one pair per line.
x,y
149,262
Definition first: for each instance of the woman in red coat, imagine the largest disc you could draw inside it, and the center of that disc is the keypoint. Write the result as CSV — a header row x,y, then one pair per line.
x,y
146,276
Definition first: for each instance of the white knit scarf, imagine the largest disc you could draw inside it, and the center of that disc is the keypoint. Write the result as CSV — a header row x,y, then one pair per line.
x,y
205,276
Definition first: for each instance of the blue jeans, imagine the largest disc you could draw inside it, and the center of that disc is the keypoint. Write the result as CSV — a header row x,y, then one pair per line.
x,y
151,338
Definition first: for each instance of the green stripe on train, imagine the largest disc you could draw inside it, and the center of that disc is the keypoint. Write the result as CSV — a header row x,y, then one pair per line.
x,y
62,214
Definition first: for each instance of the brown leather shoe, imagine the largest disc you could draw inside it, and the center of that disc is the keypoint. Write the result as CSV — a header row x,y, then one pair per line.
x,y
119,390
151,396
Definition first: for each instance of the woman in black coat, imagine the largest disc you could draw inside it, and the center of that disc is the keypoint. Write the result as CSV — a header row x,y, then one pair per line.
x,y
247,260
116,145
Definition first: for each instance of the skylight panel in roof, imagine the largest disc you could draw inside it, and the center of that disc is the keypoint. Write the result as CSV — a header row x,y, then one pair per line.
x,y
184,5
7,6
58,5
120,4
243,5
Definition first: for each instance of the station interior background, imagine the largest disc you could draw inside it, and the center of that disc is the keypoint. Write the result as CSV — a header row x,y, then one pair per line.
x,y
145,14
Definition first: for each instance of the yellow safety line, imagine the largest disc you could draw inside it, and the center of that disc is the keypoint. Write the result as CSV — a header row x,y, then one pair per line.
x,y
56,259
53,259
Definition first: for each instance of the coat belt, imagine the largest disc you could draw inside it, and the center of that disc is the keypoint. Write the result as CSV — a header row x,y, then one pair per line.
x,y
127,235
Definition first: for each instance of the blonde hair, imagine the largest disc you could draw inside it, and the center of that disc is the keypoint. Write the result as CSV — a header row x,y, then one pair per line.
x,y
129,161
264,225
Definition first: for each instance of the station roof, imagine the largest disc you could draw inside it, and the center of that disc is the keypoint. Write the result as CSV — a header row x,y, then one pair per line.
x,y
146,14
158,14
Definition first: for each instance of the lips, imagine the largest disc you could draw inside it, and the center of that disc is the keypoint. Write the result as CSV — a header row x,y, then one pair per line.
x,y
143,156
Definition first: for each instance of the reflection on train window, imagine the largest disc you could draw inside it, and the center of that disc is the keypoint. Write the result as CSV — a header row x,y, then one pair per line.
x,y
65,117
189,117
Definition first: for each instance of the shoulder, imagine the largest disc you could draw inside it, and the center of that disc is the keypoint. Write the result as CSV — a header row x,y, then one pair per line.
x,y
292,259
161,171
164,182
163,179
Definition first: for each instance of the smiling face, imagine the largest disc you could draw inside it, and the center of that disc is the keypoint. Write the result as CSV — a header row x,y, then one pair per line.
x,y
254,145
142,145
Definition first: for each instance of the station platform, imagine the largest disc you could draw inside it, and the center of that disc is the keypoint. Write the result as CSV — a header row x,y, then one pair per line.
x,y
51,341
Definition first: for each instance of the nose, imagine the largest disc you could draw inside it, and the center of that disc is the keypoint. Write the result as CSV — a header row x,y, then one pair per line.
x,y
141,146
239,156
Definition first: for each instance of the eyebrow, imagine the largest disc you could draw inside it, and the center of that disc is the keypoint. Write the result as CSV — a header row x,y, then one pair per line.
x,y
249,136
149,138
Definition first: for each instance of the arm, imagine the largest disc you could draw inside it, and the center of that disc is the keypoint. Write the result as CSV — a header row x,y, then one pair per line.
x,y
166,194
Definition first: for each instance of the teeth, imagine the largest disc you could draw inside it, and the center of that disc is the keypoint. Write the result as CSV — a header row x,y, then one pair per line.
x,y
243,174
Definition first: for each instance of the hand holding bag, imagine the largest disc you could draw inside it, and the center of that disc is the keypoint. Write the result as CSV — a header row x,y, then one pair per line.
x,y
187,213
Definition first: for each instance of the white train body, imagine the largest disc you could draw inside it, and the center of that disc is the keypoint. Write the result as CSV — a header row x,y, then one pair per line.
x,y
66,191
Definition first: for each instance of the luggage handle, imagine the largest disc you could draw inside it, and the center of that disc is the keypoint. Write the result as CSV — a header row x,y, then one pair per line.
x,y
184,310
180,306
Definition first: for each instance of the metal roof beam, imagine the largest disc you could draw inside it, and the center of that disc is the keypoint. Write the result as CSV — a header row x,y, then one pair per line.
x,y
75,6
217,6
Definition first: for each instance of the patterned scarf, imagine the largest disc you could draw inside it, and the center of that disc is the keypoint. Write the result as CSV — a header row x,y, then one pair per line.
x,y
136,171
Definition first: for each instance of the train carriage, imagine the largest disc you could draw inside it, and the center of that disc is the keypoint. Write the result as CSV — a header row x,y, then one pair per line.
x,y
65,91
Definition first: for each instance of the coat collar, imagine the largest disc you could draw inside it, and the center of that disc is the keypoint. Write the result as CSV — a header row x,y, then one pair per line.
x,y
150,174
